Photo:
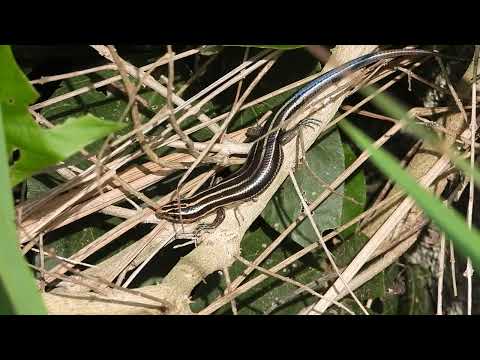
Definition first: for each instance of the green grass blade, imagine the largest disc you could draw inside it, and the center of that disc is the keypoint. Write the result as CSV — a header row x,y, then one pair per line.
x,y
18,291
448,220
395,109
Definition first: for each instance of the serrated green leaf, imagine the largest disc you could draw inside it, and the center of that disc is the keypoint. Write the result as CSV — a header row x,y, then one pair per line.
x,y
326,159
40,148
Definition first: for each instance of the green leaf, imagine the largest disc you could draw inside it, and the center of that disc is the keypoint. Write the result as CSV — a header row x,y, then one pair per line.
x,y
40,148
448,220
15,88
108,103
18,291
326,159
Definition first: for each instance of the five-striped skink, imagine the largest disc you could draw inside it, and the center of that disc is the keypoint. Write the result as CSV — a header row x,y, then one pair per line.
x,y
266,155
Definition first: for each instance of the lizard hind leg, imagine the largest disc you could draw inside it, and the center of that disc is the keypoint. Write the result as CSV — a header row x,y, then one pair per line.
x,y
210,226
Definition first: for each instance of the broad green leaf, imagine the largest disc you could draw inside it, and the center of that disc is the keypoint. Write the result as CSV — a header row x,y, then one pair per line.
x,y
39,148
447,219
15,88
278,47
326,159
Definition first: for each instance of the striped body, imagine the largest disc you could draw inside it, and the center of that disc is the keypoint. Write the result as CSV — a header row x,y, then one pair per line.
x,y
266,156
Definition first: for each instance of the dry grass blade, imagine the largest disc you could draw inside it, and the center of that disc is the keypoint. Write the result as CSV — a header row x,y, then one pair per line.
x,y
105,82
33,231
228,281
453,269
225,124
61,258
171,118
144,243
322,242
473,132
322,197
46,79
441,272
129,262
42,262
385,231
257,61
457,99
